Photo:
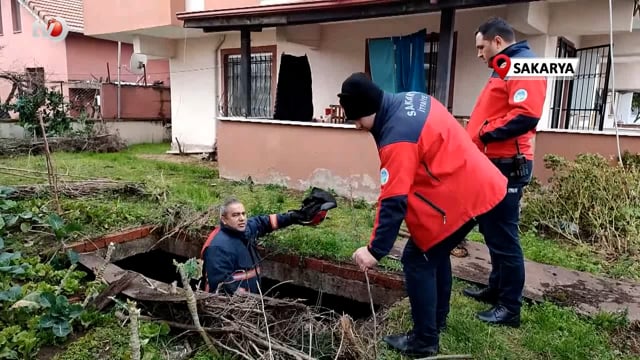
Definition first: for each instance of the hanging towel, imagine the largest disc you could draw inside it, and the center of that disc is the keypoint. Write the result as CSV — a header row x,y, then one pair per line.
x,y
382,63
294,98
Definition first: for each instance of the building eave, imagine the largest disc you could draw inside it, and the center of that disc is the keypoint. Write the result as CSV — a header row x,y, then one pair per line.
x,y
321,11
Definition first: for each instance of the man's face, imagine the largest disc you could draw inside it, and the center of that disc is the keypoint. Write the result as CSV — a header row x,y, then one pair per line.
x,y
235,217
487,49
365,123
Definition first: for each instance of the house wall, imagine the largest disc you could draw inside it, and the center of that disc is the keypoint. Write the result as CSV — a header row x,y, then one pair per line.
x,y
21,49
88,58
195,71
110,17
137,102
341,51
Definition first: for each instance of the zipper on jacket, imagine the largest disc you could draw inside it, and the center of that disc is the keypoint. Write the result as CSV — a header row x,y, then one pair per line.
x,y
434,206
426,168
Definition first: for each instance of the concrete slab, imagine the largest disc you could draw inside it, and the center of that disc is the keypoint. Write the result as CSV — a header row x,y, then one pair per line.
x,y
586,293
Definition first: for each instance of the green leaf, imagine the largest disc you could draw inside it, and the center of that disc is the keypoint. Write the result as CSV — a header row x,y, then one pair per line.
x,y
7,204
12,294
1,243
1,223
11,220
47,321
55,221
26,215
25,227
61,328
47,299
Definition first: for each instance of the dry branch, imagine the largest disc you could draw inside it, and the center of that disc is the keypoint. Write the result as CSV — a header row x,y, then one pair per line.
x,y
78,189
237,324
97,143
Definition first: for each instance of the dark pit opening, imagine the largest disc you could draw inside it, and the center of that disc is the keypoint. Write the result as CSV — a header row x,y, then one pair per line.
x,y
158,265
155,264
311,297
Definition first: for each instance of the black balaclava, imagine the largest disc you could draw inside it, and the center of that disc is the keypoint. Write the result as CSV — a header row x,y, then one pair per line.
x,y
359,96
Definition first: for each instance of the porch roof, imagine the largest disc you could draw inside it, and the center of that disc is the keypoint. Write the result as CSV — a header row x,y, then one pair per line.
x,y
320,11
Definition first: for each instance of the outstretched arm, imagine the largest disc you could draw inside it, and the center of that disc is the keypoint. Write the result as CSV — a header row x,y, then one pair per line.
x,y
399,162
261,225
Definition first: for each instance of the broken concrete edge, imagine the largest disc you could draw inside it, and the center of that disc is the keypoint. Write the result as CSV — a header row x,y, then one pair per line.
x,y
123,236
388,280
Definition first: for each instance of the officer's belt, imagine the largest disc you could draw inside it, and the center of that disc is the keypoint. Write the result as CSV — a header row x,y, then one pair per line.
x,y
502,161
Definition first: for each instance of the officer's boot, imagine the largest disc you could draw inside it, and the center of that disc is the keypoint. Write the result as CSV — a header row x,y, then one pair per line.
x,y
410,345
500,315
486,295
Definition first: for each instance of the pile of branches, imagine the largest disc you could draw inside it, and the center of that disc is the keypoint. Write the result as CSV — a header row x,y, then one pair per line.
x,y
76,189
259,327
93,143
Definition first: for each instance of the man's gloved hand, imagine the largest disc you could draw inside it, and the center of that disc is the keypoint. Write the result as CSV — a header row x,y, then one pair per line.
x,y
314,208
296,216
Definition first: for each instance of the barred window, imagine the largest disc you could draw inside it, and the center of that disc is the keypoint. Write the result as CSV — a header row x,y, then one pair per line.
x,y
263,76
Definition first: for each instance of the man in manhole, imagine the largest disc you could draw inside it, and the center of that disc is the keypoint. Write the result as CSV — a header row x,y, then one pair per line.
x,y
434,178
230,255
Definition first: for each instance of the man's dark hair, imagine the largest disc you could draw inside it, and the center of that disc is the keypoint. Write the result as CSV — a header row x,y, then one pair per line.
x,y
496,26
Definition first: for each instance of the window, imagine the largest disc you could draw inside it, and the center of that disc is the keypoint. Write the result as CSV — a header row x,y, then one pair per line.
x,y
15,15
430,64
263,82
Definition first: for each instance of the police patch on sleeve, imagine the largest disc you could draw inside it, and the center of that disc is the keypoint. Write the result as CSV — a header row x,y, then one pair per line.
x,y
520,95
384,176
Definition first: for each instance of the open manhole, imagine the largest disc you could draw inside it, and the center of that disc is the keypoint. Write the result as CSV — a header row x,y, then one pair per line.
x,y
158,265
322,290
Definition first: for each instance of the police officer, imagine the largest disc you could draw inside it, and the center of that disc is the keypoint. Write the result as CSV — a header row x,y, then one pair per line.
x,y
230,255
426,161
503,125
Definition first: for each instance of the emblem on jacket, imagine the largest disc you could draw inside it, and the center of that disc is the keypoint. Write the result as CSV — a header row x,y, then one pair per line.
x,y
384,176
520,95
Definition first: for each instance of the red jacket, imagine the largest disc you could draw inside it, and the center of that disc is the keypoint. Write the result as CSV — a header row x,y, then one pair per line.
x,y
507,112
432,175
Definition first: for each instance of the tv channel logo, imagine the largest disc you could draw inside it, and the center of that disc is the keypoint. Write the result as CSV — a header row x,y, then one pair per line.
x,y
55,29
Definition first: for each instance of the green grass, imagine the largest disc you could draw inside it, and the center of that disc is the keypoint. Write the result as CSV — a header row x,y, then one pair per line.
x,y
548,331
348,226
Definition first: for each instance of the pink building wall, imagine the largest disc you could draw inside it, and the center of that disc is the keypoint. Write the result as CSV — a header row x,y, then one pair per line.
x,y
89,56
21,49
137,102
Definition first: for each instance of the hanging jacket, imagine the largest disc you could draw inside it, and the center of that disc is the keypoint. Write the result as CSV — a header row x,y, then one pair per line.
x,y
507,112
231,259
431,174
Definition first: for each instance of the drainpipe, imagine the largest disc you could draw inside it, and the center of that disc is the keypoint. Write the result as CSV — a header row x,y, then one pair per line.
x,y
216,74
119,58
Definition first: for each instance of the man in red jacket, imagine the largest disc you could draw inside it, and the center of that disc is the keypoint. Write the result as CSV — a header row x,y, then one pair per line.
x,y
434,178
503,125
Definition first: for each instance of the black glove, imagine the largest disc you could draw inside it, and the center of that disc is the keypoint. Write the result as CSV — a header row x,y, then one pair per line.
x,y
295,216
314,208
